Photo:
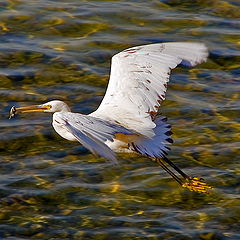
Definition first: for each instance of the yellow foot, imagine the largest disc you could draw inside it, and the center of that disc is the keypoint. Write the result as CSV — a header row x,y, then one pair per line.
x,y
197,185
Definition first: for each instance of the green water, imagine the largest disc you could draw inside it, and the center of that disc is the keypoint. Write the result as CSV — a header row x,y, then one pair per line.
x,y
54,189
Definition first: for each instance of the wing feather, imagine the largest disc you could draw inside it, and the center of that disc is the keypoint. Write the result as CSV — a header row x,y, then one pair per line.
x,y
91,132
92,143
138,81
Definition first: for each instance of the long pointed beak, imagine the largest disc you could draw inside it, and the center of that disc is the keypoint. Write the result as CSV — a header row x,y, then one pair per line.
x,y
27,109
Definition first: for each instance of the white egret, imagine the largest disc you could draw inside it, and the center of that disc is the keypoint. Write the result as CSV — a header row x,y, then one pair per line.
x,y
127,119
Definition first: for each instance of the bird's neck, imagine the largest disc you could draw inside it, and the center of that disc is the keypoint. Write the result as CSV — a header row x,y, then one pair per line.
x,y
65,108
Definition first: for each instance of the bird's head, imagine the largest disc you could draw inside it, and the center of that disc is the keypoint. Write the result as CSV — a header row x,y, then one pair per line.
x,y
52,106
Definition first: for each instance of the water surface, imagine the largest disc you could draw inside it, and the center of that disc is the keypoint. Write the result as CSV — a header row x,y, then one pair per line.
x,y
54,189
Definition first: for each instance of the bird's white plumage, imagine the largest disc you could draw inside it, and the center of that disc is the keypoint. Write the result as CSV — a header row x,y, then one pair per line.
x,y
127,117
136,88
138,81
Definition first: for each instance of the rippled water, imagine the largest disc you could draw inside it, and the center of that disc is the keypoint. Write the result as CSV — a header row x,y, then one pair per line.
x,y
54,189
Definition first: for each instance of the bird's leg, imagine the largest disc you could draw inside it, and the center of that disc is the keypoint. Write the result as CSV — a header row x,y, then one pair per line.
x,y
176,168
162,164
191,183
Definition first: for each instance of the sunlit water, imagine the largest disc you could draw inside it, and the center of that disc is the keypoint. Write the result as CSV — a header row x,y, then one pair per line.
x,y
54,189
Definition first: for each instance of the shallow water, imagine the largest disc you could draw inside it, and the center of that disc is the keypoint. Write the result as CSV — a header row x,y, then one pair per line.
x,y
54,189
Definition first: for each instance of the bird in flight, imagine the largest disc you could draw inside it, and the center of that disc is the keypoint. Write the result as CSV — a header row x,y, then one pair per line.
x,y
128,118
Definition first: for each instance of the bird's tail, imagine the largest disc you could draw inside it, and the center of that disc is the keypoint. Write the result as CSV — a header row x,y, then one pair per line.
x,y
158,145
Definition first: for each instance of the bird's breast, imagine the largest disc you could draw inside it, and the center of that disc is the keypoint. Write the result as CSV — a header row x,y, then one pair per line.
x,y
62,131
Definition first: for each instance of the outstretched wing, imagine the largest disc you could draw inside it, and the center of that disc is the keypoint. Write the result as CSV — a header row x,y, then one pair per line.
x,y
91,132
138,81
